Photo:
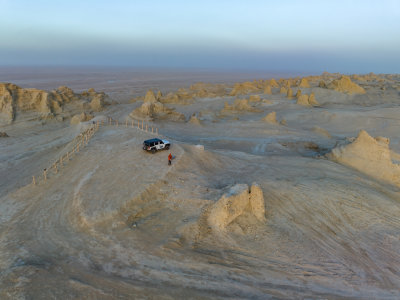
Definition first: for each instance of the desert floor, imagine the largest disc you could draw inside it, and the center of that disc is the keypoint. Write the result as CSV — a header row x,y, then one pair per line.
x,y
118,222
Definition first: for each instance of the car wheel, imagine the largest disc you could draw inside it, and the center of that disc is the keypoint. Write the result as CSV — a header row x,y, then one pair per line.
x,y
153,150
167,147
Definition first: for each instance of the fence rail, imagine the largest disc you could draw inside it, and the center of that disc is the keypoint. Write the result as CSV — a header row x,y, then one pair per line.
x,y
82,140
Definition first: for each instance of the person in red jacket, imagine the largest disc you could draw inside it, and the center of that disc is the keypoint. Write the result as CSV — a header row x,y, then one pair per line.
x,y
169,159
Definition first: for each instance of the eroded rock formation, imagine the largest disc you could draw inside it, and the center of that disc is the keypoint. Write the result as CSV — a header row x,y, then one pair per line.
x,y
156,110
15,99
83,117
267,90
307,100
345,85
239,105
270,118
244,88
369,155
238,200
304,83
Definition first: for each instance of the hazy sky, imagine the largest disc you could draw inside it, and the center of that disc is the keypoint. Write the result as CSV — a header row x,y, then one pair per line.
x,y
314,35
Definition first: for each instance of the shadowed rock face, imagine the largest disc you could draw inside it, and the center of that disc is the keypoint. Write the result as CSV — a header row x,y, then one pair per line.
x,y
13,99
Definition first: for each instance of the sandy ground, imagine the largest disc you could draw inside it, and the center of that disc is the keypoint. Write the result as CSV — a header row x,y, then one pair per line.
x,y
117,222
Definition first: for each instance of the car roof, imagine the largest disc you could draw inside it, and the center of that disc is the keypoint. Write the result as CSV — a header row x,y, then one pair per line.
x,y
152,141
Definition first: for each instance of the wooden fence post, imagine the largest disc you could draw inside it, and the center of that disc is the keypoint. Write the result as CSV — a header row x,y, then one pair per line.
x,y
142,124
138,127
33,180
132,123
45,175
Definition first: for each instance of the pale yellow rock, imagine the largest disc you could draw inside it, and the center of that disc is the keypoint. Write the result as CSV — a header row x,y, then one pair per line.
x,y
150,97
83,117
369,155
156,110
13,99
270,118
304,83
194,120
298,93
267,90
242,104
312,101
229,207
257,203
97,103
321,131
239,105
159,96
345,85
303,100
273,83
289,93
283,90
255,98
181,97
267,101
208,90
234,203
244,88
183,94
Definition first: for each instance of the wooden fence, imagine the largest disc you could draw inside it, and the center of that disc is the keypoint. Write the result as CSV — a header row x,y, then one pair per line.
x,y
82,140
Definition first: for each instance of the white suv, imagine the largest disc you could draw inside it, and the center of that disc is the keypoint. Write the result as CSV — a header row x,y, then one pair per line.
x,y
154,145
